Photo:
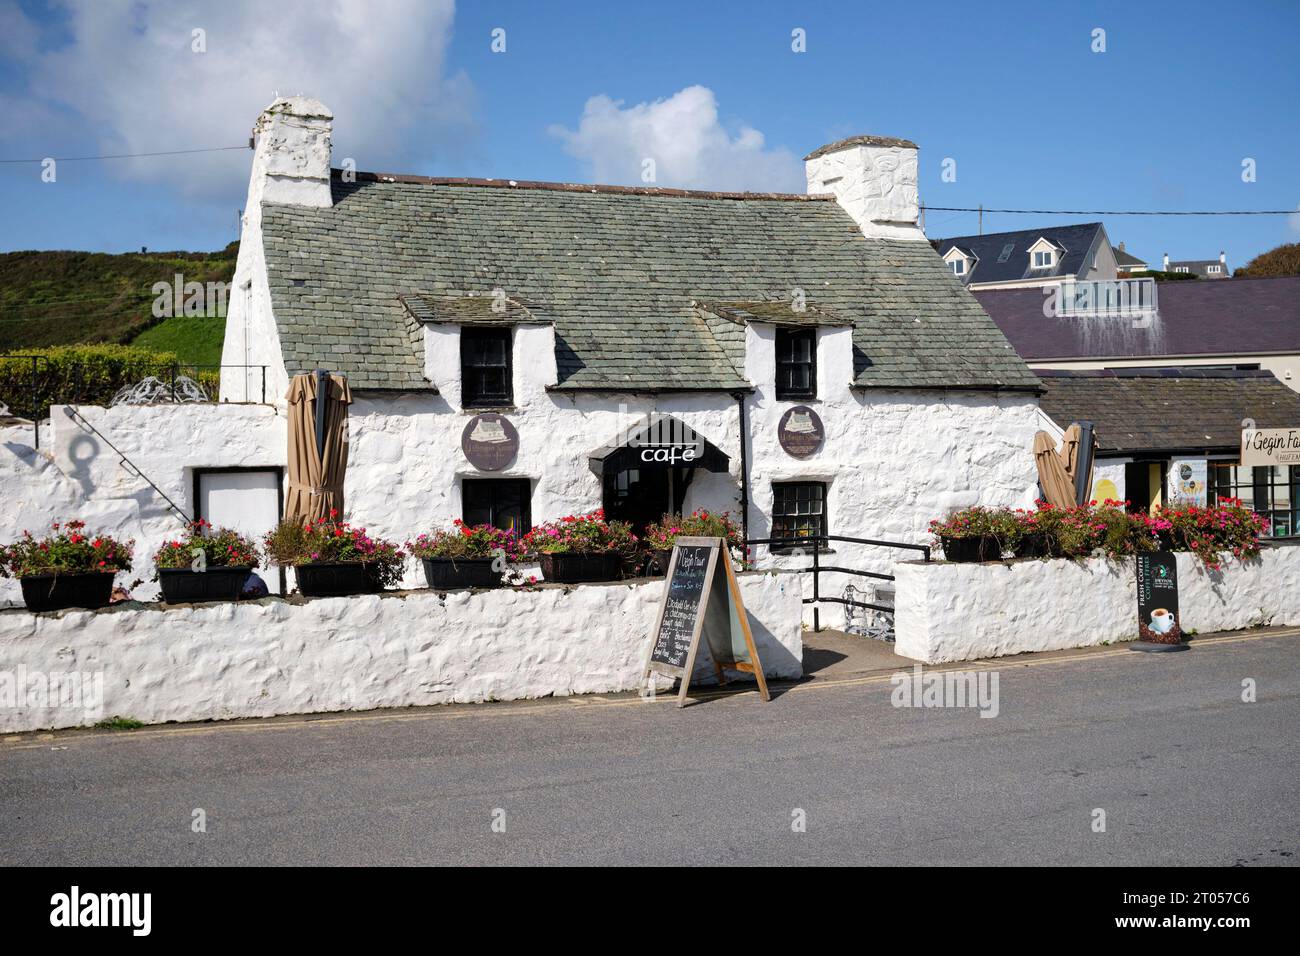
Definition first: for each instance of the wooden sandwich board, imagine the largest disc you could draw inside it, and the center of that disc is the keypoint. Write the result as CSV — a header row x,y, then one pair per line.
x,y
702,599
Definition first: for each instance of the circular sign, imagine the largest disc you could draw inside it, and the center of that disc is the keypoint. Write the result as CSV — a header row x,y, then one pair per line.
x,y
801,433
490,442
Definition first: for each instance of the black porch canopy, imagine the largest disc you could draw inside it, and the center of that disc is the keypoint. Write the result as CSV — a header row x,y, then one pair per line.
x,y
660,441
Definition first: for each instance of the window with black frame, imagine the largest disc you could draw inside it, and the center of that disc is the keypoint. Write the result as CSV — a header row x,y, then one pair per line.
x,y
796,363
504,503
485,367
1273,492
798,511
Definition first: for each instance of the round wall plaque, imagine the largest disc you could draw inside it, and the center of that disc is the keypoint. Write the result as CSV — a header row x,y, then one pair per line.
x,y
801,432
490,442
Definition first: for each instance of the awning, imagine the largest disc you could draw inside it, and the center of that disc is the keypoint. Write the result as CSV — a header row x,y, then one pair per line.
x,y
660,441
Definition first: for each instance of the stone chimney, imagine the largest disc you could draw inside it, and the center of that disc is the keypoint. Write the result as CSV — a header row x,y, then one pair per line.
x,y
874,179
1121,245
291,154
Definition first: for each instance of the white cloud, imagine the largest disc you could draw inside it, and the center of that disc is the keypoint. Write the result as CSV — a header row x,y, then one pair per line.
x,y
682,134
136,85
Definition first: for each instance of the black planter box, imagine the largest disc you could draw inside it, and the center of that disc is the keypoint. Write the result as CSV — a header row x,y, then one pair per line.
x,y
580,568
54,592
184,586
335,580
983,548
450,574
1034,546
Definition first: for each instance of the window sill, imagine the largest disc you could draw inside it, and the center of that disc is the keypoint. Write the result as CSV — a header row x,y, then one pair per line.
x,y
480,409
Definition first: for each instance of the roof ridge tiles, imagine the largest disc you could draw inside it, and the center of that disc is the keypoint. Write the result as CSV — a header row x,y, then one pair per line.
x,y
409,180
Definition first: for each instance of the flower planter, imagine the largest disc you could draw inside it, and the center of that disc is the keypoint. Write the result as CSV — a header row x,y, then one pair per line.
x,y
335,580
185,586
1033,546
981,548
54,592
580,568
449,574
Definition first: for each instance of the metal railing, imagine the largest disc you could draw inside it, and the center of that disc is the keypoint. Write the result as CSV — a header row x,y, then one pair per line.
x,y
30,384
817,568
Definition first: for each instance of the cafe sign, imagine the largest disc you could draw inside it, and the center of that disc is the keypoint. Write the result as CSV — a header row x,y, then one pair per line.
x,y
1263,447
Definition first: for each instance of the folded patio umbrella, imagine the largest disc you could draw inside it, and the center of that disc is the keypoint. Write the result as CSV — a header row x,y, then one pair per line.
x,y
318,447
1076,458
1053,466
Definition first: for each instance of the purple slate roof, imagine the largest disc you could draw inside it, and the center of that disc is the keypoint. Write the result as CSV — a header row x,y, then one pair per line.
x,y
1231,317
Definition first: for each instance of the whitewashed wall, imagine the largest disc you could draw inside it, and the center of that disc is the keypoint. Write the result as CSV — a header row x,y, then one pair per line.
x,y
958,612
269,657
75,475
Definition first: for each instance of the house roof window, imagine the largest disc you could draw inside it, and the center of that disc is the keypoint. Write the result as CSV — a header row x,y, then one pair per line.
x,y
958,267
1044,259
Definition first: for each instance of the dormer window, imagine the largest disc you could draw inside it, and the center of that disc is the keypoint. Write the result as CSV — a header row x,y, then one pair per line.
x,y
485,367
1043,254
959,261
958,267
1044,259
796,363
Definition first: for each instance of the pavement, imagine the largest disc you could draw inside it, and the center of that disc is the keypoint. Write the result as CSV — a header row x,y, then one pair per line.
x,y
1161,747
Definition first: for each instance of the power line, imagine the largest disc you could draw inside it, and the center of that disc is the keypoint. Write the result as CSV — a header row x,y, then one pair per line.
x,y
82,159
1113,212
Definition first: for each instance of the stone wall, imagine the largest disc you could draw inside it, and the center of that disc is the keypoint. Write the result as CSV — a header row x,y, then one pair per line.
x,y
293,656
958,612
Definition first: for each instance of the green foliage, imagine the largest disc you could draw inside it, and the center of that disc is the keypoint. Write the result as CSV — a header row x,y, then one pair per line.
x,y
467,541
581,534
193,339
1282,261
1161,276
72,298
119,723
222,548
331,541
86,375
70,550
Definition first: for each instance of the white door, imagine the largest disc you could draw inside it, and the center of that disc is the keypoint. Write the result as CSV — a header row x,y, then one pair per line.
x,y
245,501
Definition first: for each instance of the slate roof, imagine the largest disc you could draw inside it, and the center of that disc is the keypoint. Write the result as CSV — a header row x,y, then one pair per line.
x,y
1236,317
1015,263
473,309
1201,267
1168,410
618,270
1125,258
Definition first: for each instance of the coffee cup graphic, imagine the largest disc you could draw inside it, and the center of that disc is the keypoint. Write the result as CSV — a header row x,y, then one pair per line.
x,y
1162,622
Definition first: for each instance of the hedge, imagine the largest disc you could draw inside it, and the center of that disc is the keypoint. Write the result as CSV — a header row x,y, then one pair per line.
x,y
86,375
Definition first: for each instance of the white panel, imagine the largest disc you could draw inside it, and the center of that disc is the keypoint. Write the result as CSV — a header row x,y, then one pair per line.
x,y
246,501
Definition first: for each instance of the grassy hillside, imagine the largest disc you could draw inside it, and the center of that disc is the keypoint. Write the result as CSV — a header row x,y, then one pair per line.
x,y
75,298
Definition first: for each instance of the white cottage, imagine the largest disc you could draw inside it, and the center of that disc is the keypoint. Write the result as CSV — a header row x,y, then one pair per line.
x,y
835,375
515,348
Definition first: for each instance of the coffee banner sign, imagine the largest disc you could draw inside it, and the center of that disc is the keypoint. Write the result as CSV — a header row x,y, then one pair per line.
x,y
1262,447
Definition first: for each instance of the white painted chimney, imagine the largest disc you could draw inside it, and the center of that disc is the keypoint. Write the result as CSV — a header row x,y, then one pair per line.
x,y
291,157
1165,268
1223,257
874,179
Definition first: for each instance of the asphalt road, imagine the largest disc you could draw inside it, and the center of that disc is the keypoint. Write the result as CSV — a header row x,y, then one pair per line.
x,y
1185,771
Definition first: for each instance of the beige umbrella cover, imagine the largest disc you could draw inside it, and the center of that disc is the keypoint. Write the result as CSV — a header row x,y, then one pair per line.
x,y
1072,439
1054,469
315,479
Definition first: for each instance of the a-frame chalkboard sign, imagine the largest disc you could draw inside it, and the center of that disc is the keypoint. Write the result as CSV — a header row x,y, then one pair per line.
x,y
702,599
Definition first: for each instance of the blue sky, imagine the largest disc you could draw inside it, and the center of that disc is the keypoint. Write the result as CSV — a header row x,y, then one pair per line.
x,y
1012,92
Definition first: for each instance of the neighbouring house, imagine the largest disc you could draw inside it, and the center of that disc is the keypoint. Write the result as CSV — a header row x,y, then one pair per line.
x,y
1245,323
1201,268
1126,263
1171,436
1030,258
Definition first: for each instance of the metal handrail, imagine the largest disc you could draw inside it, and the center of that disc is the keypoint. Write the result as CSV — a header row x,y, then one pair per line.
x,y
127,463
817,567
35,392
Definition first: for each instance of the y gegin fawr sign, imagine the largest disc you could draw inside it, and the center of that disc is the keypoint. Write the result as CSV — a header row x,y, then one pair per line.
x,y
1262,447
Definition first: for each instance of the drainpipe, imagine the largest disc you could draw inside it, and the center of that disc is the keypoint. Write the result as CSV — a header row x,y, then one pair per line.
x,y
744,468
